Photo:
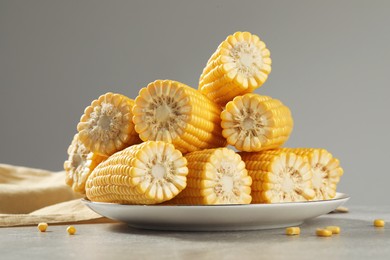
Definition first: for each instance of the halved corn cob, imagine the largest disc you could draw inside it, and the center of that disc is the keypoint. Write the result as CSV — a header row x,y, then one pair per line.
x,y
240,65
147,173
173,112
253,123
278,176
215,176
80,164
106,125
325,168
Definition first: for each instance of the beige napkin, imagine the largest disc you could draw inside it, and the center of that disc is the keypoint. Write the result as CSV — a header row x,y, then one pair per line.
x,y
29,196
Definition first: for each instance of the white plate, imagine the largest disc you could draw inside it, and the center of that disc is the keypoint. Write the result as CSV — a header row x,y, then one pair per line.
x,y
217,217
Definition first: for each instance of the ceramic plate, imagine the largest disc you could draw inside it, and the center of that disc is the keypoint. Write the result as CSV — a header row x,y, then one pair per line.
x,y
217,217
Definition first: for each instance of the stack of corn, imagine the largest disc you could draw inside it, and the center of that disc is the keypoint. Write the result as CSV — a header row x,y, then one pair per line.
x,y
168,144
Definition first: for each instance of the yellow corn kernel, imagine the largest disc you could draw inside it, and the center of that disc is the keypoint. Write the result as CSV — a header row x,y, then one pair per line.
x,y
42,227
173,112
253,123
278,176
106,125
325,168
215,176
341,209
379,223
334,229
291,231
147,173
71,230
240,65
323,232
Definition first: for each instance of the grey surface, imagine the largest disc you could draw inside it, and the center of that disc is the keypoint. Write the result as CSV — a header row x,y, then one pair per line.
x,y
330,66
358,239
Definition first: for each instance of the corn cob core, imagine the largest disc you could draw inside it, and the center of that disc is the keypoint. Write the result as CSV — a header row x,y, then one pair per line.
x,y
325,168
253,123
173,112
106,125
148,173
240,65
278,176
80,164
215,176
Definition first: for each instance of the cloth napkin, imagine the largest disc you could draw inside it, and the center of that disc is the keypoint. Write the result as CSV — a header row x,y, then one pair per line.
x,y
30,196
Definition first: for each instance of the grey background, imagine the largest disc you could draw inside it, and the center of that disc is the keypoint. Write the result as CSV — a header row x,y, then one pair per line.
x,y
330,66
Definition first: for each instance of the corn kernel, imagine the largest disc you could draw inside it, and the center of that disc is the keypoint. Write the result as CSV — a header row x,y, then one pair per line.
x,y
42,227
71,230
323,232
333,229
341,210
291,231
379,223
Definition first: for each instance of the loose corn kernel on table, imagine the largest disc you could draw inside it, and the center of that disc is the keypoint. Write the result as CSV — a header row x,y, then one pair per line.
x,y
358,239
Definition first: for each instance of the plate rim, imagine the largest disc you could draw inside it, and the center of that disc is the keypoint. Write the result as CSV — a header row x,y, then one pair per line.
x,y
339,196
207,217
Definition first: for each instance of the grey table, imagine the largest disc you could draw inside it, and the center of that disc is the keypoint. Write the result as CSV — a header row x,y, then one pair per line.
x,y
358,240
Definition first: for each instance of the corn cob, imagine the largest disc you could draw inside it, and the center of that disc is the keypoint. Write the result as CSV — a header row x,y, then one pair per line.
x,y
278,176
106,125
240,65
325,168
173,112
253,123
215,176
148,173
80,164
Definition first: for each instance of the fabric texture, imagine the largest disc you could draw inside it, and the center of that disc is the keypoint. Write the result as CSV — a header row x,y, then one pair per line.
x,y
30,196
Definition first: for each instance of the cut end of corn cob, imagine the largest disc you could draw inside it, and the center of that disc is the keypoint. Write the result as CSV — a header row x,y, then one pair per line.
x,y
325,168
240,65
80,164
326,173
148,173
173,112
253,123
106,125
162,111
216,176
278,176
77,157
